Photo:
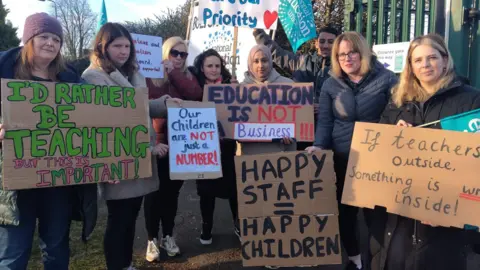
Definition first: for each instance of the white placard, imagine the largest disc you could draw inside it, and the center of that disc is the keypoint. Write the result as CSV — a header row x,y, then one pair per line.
x,y
393,56
149,55
193,140
263,131
220,38
241,13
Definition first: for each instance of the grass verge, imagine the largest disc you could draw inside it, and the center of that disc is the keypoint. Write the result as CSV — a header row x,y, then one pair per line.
x,y
89,256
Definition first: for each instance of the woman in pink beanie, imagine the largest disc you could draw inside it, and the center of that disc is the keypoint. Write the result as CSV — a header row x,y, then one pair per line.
x,y
52,207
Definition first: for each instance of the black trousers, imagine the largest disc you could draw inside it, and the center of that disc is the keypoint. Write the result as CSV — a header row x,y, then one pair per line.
x,y
120,232
207,207
347,215
162,205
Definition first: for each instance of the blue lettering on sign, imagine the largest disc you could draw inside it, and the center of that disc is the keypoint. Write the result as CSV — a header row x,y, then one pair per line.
x,y
239,98
242,2
261,132
271,94
227,19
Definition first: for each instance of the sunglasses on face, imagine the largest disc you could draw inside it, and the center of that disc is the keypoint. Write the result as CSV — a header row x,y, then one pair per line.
x,y
176,53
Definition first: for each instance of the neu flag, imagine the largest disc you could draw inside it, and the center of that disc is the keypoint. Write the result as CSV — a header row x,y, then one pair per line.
x,y
103,16
466,122
296,17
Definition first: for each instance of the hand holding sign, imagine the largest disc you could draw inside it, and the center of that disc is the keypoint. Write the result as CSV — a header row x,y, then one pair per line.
x,y
177,101
287,140
402,123
313,149
160,150
428,223
2,132
168,66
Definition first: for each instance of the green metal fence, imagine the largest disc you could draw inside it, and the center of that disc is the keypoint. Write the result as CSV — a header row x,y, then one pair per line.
x,y
389,21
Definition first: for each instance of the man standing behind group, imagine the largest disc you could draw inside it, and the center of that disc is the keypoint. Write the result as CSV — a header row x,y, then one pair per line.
x,y
304,67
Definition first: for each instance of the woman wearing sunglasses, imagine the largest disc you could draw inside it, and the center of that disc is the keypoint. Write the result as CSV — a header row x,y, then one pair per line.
x,y
162,205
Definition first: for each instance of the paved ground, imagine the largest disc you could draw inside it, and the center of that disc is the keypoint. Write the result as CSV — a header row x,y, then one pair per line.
x,y
224,253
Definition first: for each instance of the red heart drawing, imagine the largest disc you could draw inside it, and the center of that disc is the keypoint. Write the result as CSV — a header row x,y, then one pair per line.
x,y
269,18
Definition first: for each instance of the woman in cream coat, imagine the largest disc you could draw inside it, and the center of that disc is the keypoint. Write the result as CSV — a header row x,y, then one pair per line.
x,y
113,62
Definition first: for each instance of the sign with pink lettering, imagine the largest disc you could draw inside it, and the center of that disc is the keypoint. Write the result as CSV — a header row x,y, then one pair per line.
x,y
240,13
149,55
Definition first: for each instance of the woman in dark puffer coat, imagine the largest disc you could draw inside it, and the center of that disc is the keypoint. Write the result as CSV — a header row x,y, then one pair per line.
x,y
428,91
358,90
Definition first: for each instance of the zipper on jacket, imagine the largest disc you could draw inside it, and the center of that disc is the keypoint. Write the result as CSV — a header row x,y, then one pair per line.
x,y
414,236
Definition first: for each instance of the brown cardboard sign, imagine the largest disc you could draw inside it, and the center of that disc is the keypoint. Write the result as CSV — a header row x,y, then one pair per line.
x,y
425,174
288,209
194,145
61,134
262,112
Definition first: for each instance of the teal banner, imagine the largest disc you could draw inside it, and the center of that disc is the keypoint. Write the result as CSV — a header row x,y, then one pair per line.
x,y
465,122
297,20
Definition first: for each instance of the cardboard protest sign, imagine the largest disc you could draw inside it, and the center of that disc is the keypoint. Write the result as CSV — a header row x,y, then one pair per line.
x,y
149,55
61,134
241,13
220,38
194,146
287,207
264,112
425,174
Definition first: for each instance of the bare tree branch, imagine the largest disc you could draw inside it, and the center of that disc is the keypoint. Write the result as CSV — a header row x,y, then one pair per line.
x,y
78,21
172,22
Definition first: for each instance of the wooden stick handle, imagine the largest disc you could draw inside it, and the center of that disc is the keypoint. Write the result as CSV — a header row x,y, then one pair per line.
x,y
429,123
190,18
234,53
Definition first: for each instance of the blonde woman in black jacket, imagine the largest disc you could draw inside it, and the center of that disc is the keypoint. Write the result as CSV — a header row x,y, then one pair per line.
x,y
428,91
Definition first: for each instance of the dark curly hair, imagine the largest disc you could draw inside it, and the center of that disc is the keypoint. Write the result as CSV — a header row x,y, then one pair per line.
x,y
198,64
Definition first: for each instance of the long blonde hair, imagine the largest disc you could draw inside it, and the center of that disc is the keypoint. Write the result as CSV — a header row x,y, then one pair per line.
x,y
25,64
166,48
409,87
360,45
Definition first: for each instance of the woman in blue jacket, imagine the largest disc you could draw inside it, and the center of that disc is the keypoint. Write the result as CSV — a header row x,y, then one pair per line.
x,y
358,90
40,60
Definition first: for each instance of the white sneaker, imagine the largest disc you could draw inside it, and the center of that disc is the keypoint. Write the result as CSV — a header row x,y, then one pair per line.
x,y
168,243
272,267
153,253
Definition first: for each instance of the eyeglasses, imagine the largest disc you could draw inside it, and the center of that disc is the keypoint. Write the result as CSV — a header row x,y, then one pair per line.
x,y
350,55
176,53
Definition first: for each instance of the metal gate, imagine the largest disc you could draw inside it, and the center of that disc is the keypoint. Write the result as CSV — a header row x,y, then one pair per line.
x,y
390,21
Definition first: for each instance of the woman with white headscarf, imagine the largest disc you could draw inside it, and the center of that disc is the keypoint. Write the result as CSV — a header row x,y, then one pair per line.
x,y
260,67
261,71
